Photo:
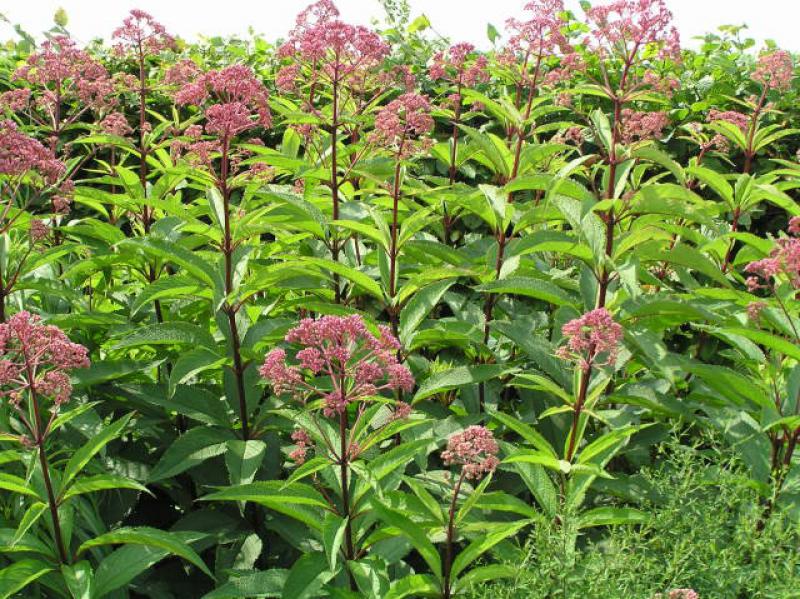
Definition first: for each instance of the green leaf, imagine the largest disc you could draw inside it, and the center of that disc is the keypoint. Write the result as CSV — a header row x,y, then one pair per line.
x,y
167,333
269,583
15,484
243,459
79,579
767,340
192,363
150,537
483,544
293,500
102,482
81,457
306,577
20,574
411,531
459,377
418,308
190,449
415,585
333,532
608,516
529,287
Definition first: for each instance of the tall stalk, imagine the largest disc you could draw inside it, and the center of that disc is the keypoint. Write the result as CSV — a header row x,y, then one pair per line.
x,y
447,564
228,248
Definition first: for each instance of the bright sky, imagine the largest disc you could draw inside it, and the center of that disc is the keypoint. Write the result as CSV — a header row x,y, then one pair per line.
x,y
460,20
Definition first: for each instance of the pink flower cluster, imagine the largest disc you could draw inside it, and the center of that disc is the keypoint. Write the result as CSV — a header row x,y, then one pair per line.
x,y
15,100
784,259
625,27
774,70
641,126
115,123
182,72
590,337
678,594
738,119
142,34
455,66
400,123
538,36
358,363
38,230
37,358
63,71
21,154
332,49
474,449
239,100
303,442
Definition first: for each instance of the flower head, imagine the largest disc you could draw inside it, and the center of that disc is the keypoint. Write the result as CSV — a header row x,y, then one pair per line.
x,y
36,359
623,28
641,126
457,66
474,449
115,123
141,34
400,124
39,230
237,100
331,49
357,363
61,71
774,70
592,339
21,154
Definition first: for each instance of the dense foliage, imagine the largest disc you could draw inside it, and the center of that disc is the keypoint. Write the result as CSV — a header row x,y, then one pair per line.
x,y
366,314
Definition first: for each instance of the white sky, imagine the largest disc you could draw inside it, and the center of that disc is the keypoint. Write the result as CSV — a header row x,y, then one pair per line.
x,y
460,20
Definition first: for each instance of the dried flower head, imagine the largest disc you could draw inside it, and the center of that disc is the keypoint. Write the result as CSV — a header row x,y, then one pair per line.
x,y
592,339
474,449
357,363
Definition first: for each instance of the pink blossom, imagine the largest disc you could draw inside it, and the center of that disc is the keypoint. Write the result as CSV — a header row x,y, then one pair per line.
x,y
36,357
474,449
21,154
784,259
593,335
302,442
238,100
142,34
62,71
641,126
182,72
774,70
358,363
115,123
402,411
754,310
455,66
38,230
15,99
623,28
332,49
401,122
